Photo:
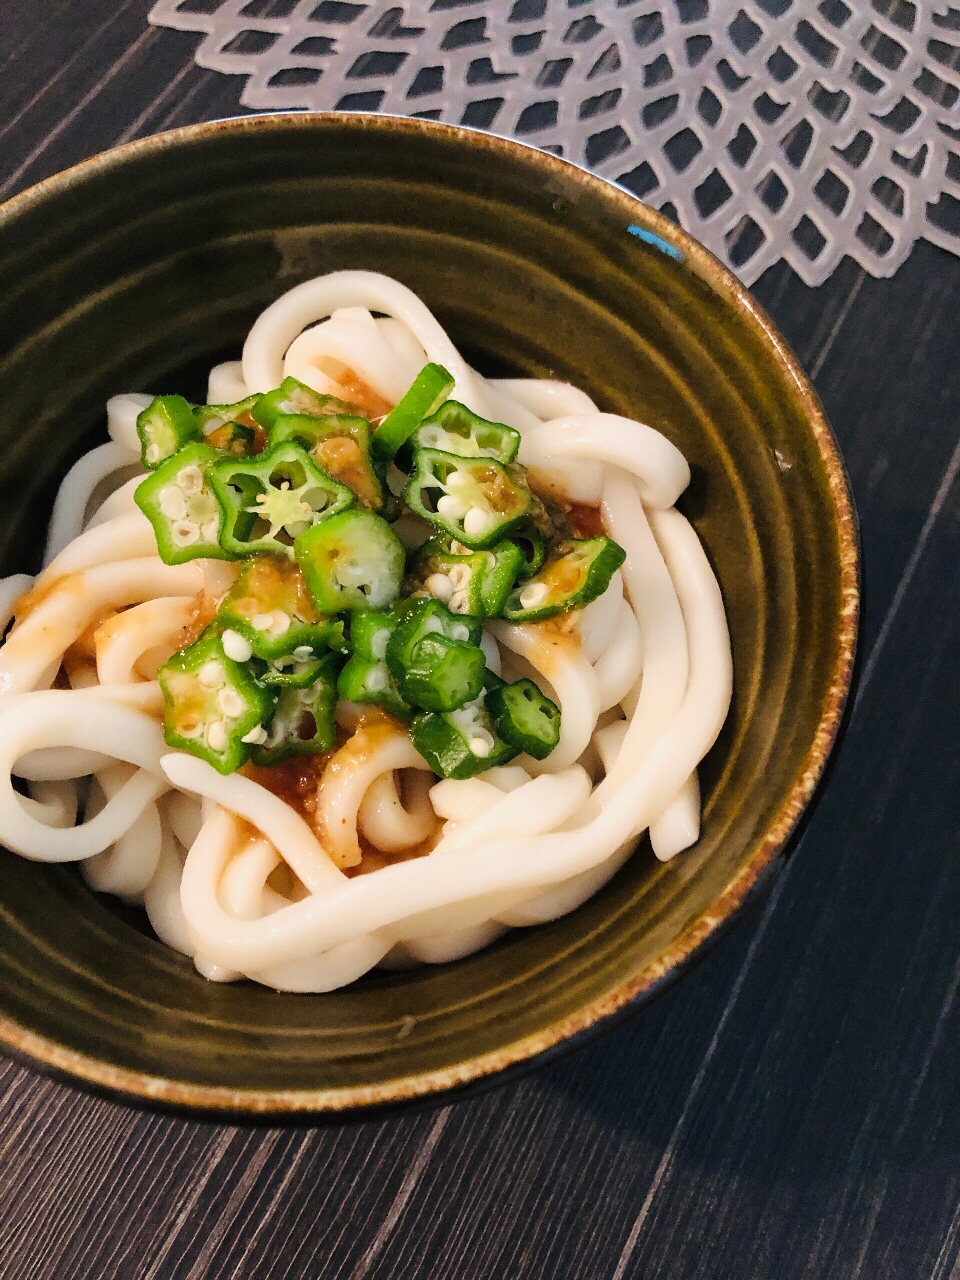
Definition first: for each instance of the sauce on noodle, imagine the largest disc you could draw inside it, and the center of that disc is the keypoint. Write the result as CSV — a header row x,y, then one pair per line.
x,y
370,402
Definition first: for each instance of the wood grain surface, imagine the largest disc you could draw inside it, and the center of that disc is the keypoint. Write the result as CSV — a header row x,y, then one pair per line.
x,y
789,1111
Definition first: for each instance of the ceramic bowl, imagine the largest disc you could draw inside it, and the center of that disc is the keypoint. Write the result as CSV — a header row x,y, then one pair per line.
x,y
140,268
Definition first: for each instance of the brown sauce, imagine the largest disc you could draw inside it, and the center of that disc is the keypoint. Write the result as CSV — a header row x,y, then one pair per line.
x,y
35,597
342,458
297,782
370,403
584,521
204,612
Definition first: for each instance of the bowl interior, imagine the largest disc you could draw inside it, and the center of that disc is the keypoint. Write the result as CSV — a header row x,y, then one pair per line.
x,y
144,267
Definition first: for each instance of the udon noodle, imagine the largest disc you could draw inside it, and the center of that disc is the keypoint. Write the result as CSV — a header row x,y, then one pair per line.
x,y
386,865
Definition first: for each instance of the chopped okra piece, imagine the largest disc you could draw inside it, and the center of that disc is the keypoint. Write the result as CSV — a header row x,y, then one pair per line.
x,y
269,500
577,572
231,428
442,674
430,388
454,429
434,655
296,397
351,561
295,670
213,705
476,500
340,446
268,613
164,426
366,678
473,582
525,717
179,502
303,722
419,617
531,542
461,743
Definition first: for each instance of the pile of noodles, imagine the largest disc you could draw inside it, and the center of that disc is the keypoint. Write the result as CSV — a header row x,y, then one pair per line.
x,y
231,874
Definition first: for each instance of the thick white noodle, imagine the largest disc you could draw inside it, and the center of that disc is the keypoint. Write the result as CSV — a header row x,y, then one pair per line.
x,y
74,494
122,414
276,328
659,466
225,384
11,589
228,872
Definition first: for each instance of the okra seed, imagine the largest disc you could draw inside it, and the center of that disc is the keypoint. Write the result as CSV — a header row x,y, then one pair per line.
x,y
378,645
190,480
153,453
262,622
459,575
236,646
459,632
481,746
190,727
475,522
459,549
184,533
210,530
211,674
173,503
533,595
440,585
448,505
457,602
230,703
376,681
457,480
217,736
303,653
280,624
431,625
257,736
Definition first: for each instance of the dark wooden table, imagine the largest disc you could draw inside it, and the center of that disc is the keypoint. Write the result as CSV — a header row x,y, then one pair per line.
x,y
790,1109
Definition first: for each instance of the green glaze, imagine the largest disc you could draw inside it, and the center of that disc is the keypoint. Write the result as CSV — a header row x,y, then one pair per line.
x,y
125,271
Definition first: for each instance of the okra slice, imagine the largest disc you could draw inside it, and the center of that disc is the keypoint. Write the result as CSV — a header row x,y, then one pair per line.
x,y
430,388
472,582
434,655
577,572
419,617
454,429
268,613
533,546
303,722
476,500
525,717
351,561
340,446
442,674
213,705
271,499
179,501
164,426
295,397
366,678
461,743
231,428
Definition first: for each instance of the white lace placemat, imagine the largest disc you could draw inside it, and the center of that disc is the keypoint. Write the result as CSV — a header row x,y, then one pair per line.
x,y
769,128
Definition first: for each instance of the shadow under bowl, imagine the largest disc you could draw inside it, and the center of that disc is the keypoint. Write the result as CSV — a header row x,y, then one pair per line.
x,y
143,266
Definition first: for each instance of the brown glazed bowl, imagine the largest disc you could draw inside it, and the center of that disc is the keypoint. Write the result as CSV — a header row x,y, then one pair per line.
x,y
140,268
